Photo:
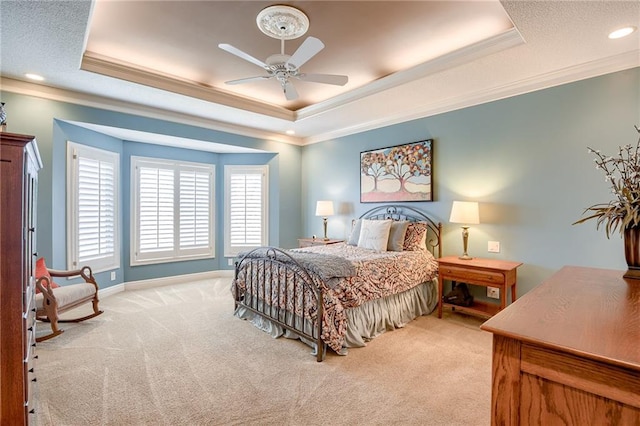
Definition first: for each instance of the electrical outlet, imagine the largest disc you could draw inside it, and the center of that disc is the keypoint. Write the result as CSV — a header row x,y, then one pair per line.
x,y
113,275
493,292
230,262
493,246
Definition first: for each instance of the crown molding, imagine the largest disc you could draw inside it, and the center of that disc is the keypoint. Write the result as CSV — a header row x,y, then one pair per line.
x,y
111,67
567,75
101,102
502,41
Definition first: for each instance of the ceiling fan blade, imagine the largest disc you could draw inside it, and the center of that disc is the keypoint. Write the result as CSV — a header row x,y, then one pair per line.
x,y
307,50
338,80
289,91
248,79
240,54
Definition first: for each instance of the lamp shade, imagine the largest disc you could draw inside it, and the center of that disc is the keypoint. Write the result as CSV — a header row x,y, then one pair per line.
x,y
324,208
465,212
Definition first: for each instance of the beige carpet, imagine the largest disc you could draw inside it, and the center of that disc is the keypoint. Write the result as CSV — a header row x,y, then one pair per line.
x,y
175,355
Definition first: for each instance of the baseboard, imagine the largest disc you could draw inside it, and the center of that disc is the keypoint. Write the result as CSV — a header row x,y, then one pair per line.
x,y
177,279
110,291
159,282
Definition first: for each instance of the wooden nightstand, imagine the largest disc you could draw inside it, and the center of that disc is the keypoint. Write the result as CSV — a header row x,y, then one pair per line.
x,y
308,242
477,271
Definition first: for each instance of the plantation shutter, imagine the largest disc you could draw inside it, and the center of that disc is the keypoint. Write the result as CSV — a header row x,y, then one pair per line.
x,y
194,209
246,208
96,209
156,209
174,216
93,228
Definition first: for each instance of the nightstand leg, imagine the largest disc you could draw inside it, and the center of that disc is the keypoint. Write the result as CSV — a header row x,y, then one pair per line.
x,y
439,297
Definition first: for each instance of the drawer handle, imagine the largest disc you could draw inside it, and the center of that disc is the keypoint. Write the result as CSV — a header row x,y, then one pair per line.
x,y
32,411
31,370
35,357
35,379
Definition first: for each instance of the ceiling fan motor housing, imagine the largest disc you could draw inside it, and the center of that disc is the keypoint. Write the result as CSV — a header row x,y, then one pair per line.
x,y
278,66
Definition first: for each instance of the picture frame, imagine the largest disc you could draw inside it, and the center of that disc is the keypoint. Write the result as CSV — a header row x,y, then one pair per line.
x,y
400,173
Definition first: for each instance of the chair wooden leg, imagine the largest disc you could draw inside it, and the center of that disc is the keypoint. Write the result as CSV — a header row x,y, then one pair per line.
x,y
49,336
93,315
95,305
55,331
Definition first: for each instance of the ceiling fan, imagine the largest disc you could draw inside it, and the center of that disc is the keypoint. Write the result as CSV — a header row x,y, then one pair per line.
x,y
285,23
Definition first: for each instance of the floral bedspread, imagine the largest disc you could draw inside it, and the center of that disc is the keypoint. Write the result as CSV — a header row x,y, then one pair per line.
x,y
377,275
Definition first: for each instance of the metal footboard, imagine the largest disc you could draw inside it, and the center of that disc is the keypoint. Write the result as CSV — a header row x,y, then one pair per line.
x,y
273,285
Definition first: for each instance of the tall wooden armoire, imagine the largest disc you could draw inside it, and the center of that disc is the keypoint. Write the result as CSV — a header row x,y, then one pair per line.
x,y
19,165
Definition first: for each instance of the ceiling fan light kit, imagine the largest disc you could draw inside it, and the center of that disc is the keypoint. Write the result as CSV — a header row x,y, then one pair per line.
x,y
285,23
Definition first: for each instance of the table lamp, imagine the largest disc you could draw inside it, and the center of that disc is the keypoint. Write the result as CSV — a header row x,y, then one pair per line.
x,y
324,209
465,212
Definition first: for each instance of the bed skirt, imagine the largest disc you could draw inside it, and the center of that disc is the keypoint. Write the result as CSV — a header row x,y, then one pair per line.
x,y
368,320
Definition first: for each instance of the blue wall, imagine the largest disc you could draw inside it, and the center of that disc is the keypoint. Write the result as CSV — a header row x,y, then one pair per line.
x,y
524,159
42,118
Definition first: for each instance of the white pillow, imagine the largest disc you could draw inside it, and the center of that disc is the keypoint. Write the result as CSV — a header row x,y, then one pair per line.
x,y
374,234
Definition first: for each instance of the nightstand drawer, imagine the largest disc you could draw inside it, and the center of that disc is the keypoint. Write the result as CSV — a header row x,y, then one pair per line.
x,y
471,275
310,242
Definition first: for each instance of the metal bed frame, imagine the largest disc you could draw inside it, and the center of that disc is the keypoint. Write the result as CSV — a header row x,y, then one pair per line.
x,y
275,286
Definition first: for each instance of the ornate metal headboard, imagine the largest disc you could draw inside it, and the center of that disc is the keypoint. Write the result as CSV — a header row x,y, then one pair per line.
x,y
398,212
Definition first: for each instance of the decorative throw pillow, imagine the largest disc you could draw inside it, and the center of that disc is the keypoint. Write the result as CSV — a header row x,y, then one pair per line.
x,y
396,235
374,234
355,233
42,271
416,237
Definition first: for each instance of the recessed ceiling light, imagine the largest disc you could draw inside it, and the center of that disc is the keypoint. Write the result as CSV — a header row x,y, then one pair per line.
x,y
290,132
622,32
34,77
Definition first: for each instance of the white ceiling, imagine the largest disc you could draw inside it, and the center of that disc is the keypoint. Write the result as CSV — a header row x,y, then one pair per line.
x,y
405,60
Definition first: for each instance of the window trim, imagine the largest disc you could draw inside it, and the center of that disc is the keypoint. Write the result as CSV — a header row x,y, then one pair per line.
x,y
229,250
104,263
178,255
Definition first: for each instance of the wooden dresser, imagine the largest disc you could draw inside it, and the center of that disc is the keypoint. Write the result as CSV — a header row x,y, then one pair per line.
x,y
19,165
568,352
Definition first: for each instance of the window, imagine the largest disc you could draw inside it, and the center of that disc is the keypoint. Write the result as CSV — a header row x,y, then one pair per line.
x,y
246,207
172,205
93,211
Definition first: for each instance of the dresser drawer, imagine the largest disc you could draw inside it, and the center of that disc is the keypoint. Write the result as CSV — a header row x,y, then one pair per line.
x,y
471,275
29,326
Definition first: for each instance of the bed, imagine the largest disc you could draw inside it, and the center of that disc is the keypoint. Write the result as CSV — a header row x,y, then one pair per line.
x,y
343,295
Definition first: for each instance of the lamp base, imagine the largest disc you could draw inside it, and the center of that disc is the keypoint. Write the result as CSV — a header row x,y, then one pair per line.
x,y
324,225
465,257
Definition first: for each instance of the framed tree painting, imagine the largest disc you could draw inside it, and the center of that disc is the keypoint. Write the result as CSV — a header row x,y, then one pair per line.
x,y
397,173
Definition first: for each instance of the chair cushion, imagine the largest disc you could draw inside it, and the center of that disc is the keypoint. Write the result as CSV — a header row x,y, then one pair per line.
x,y
42,271
68,294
